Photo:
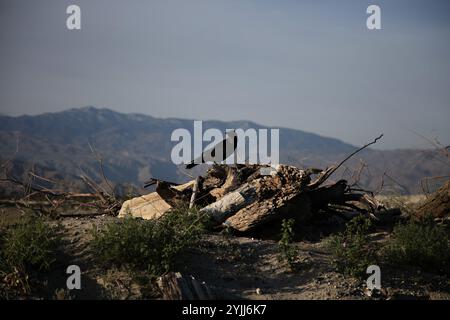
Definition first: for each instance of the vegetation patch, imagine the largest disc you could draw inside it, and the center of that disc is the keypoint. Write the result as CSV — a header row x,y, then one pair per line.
x,y
421,243
25,248
147,244
287,250
351,249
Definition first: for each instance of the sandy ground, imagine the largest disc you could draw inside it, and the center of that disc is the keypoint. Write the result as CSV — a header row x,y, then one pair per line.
x,y
245,268
233,267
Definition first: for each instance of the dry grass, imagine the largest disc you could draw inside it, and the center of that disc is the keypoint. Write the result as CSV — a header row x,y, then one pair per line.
x,y
407,204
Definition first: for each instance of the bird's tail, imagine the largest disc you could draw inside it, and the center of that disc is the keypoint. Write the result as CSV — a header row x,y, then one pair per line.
x,y
153,181
191,165
150,182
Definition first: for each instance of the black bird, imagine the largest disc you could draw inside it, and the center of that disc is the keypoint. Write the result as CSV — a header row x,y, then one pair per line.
x,y
229,144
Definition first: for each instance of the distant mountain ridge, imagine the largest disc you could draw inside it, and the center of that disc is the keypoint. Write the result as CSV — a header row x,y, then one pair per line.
x,y
135,147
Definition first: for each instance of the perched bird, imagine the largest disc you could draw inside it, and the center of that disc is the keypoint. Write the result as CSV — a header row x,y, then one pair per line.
x,y
227,146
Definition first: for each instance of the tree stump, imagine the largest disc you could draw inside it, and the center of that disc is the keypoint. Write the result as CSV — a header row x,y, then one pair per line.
x,y
438,204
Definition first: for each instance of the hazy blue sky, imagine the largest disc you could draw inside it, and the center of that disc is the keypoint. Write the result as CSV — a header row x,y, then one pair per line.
x,y
309,65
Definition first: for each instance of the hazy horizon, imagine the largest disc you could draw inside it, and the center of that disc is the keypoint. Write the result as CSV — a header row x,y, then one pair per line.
x,y
429,146
305,65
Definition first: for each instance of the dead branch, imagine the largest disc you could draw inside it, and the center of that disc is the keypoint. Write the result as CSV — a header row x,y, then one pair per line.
x,y
102,171
55,199
97,190
5,163
380,189
357,174
29,186
34,175
330,172
424,183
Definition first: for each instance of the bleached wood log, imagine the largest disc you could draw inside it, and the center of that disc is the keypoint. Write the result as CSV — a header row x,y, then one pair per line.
x,y
194,192
263,199
231,203
266,210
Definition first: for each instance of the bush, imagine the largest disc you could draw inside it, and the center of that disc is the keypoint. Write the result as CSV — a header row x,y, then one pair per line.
x,y
352,250
147,244
421,243
25,247
287,251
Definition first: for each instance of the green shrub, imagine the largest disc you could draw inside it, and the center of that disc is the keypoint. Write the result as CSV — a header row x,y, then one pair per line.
x,y
421,243
25,247
147,244
287,251
352,250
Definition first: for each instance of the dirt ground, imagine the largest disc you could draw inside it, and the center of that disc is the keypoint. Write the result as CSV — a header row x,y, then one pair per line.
x,y
234,267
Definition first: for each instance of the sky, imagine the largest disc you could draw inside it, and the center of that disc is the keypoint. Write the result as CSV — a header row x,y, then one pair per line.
x,y
308,65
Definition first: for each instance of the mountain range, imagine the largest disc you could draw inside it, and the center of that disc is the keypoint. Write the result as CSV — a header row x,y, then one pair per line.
x,y
134,147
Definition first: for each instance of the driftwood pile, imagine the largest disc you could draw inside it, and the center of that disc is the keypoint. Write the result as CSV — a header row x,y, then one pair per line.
x,y
57,202
246,196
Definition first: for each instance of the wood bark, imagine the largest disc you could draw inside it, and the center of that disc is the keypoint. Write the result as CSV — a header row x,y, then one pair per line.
x,y
231,203
438,204
175,286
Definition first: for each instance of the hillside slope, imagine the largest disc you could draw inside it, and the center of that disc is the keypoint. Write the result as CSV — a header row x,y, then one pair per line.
x,y
135,147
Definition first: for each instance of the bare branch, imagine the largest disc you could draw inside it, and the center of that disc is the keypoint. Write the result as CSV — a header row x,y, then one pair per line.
x,y
102,171
328,172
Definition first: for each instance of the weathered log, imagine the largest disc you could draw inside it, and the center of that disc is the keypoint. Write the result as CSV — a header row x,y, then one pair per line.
x,y
243,199
175,286
150,206
438,204
231,203
229,183
268,197
268,210
287,198
195,190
